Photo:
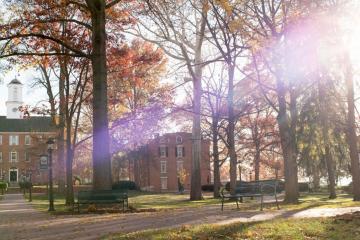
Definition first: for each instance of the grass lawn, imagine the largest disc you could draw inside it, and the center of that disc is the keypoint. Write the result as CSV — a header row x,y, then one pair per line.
x,y
164,201
285,229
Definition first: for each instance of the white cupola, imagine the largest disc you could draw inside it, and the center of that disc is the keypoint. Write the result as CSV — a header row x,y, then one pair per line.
x,y
14,99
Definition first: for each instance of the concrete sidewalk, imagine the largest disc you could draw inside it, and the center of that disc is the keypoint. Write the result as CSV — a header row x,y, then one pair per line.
x,y
19,220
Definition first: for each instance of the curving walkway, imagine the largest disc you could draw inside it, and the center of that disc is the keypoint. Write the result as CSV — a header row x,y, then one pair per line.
x,y
19,220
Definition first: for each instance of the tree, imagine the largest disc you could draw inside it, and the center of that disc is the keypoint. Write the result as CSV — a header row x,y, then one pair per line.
x,y
172,25
91,17
351,128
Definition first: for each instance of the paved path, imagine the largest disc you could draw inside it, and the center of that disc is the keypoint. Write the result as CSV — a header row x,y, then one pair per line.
x,y
18,220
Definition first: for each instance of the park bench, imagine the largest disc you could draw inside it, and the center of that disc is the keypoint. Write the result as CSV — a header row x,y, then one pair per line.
x,y
251,189
102,197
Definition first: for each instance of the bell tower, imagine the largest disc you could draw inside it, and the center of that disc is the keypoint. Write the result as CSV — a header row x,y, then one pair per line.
x,y
14,99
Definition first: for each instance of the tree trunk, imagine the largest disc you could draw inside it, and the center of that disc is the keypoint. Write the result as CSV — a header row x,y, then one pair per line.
x,y
231,130
287,145
351,132
101,149
195,191
316,177
217,183
69,164
61,128
257,160
324,118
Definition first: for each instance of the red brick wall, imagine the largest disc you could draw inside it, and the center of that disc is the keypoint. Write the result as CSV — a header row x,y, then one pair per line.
x,y
151,163
35,149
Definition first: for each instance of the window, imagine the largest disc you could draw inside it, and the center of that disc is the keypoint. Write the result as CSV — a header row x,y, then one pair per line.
x,y
179,166
27,157
13,157
0,156
163,183
27,139
163,151
15,93
179,151
178,139
14,140
163,167
0,139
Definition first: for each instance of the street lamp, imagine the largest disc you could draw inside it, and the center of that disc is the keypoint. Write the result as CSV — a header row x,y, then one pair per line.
x,y
50,146
30,185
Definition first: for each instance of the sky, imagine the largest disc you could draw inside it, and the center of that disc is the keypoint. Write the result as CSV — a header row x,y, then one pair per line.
x,y
31,96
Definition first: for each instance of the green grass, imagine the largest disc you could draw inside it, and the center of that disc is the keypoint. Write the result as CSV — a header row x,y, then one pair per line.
x,y
285,229
41,202
158,201
168,201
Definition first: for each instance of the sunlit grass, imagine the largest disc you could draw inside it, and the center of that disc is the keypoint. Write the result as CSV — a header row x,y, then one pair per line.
x,y
284,229
168,201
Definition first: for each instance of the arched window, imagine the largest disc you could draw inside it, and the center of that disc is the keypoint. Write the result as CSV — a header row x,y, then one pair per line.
x,y
178,139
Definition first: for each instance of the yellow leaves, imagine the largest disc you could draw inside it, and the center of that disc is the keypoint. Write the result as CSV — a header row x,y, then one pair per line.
x,y
225,4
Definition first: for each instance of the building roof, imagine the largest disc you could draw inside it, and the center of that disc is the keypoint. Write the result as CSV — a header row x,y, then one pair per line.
x,y
31,124
15,81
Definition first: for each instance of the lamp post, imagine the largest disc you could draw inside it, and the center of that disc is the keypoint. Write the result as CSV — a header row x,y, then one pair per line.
x,y
30,186
50,145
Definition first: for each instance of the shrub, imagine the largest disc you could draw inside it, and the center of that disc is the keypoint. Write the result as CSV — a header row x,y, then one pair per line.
x,y
207,187
303,187
347,189
3,185
25,185
129,185
280,185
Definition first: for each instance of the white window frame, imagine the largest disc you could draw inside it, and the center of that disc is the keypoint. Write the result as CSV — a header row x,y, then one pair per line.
x,y
1,139
179,151
1,157
27,140
11,156
161,183
178,164
178,139
162,151
163,167
13,140
27,156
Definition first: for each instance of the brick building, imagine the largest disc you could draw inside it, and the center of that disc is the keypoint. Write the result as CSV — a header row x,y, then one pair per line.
x,y
156,166
22,140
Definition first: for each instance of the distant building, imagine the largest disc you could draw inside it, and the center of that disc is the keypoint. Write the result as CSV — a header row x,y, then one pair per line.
x,y
22,140
156,166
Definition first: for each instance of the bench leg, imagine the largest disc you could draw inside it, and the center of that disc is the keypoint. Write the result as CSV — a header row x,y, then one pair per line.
x,y
241,199
222,204
261,205
277,203
237,203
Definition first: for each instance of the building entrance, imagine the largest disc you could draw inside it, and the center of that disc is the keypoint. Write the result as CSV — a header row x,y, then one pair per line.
x,y
13,175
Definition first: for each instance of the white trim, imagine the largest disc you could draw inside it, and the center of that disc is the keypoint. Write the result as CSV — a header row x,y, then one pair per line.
x,y
10,156
163,163
161,185
27,137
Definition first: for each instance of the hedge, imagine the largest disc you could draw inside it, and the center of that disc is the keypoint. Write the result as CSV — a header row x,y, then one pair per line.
x,y
25,185
129,185
207,187
3,185
280,187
